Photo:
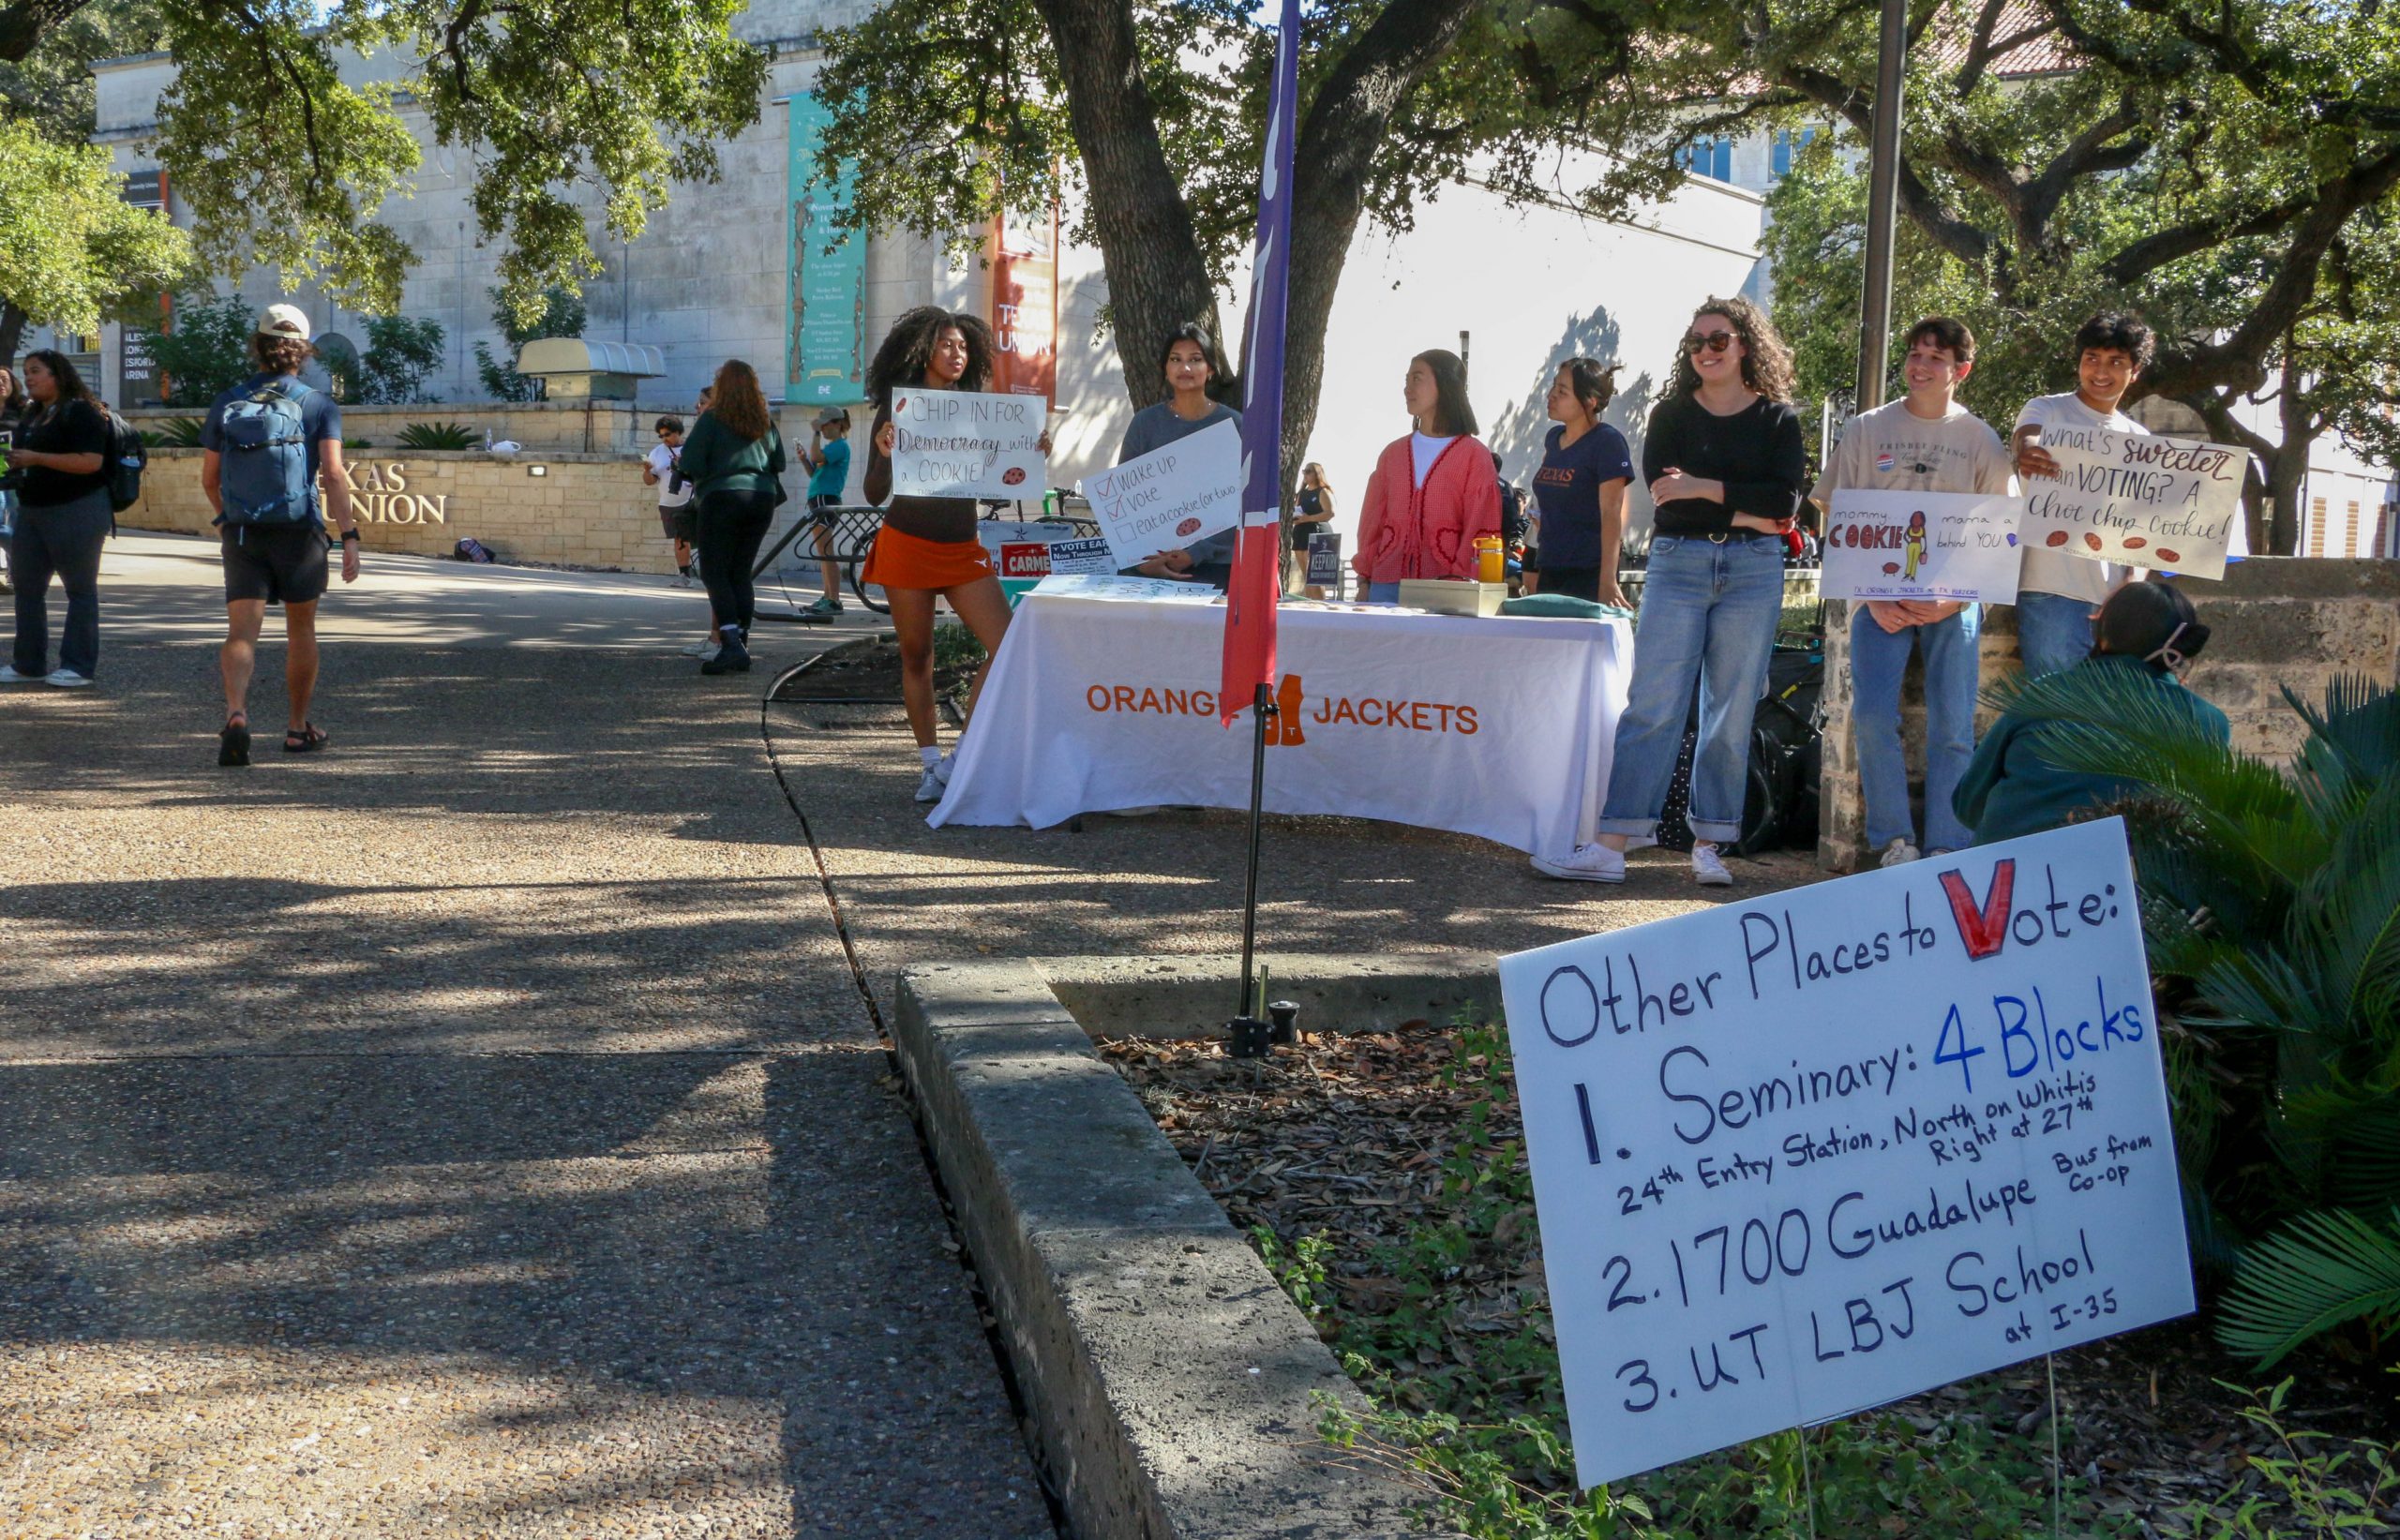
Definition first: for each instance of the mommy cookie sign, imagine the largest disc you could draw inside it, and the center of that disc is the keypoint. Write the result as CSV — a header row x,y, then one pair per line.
x,y
2141,499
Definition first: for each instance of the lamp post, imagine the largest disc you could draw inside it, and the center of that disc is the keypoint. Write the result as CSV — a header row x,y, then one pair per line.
x,y
1882,206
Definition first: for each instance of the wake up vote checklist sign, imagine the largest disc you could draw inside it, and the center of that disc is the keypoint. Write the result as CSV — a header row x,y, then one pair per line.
x,y
1803,1156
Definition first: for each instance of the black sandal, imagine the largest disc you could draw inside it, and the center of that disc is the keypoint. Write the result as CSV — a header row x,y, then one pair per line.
x,y
233,742
304,739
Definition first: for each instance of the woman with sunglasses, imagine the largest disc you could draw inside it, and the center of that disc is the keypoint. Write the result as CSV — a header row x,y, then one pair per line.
x,y
1727,468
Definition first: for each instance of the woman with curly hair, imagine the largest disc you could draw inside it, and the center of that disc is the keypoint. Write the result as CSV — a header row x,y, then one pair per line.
x,y
927,549
1727,469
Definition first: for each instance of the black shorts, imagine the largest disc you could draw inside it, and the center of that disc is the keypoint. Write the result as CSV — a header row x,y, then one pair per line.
x,y
822,508
281,563
684,521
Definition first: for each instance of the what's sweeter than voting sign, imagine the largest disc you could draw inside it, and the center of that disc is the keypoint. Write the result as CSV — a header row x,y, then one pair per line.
x,y
1803,1156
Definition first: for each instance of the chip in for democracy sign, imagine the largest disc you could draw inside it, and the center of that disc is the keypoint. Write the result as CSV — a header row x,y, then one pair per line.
x,y
951,443
2138,497
1802,1156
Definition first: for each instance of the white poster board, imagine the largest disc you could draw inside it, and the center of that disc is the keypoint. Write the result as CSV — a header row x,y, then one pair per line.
x,y
951,443
1169,498
1134,590
1802,1156
1935,545
2145,500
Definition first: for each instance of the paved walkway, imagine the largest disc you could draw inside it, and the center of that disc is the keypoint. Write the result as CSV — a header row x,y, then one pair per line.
x,y
474,1130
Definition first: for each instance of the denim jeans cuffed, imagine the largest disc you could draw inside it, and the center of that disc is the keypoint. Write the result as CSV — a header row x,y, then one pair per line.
x,y
1878,660
1708,615
2054,632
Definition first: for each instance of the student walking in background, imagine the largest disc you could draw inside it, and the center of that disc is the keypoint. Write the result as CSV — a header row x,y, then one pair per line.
x,y
660,470
827,462
271,444
734,460
1926,442
927,549
1585,468
1190,364
62,517
1312,511
2057,594
1727,467
1433,492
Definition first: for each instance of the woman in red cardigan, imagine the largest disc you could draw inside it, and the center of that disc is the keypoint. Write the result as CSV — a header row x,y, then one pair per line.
x,y
1433,492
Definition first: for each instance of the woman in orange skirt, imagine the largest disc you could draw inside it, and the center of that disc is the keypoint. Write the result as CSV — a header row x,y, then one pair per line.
x,y
927,548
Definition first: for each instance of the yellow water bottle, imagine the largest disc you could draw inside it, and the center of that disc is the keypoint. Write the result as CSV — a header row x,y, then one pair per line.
x,y
1491,562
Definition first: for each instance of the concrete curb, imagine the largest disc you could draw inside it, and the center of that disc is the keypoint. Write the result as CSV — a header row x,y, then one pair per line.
x,y
1167,1376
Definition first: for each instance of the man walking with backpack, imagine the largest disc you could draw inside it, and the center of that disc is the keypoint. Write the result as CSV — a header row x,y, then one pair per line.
x,y
270,440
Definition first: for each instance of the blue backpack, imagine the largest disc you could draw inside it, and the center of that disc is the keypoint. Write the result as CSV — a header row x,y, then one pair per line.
x,y
263,468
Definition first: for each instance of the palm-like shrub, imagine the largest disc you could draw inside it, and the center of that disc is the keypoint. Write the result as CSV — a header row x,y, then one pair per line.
x,y
439,436
2270,899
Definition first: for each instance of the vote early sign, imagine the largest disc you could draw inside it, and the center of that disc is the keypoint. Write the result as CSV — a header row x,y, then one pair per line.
x,y
1800,1157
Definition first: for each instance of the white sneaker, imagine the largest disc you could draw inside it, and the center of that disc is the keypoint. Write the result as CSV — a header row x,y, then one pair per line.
x,y
1589,863
930,788
9,676
1706,869
67,678
942,767
702,650
1898,852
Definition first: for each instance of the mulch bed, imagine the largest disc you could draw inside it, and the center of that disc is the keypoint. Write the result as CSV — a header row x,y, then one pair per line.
x,y
1345,1136
868,670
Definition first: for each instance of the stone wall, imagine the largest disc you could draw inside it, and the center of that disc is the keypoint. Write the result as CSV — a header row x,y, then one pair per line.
x,y
2274,620
572,510
601,427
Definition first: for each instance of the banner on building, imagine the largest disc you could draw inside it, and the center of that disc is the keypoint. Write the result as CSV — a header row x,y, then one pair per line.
x,y
1025,303
139,384
1931,546
1792,1159
825,339
2173,505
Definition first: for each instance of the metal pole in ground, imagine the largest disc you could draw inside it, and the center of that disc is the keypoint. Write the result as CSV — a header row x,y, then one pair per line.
x,y
1882,208
1261,706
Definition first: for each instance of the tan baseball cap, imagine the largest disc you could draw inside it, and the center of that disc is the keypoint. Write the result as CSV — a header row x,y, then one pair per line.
x,y
284,320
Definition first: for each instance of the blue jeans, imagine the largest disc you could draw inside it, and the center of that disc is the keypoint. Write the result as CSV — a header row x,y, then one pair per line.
x,y
1877,658
1708,613
2054,632
63,541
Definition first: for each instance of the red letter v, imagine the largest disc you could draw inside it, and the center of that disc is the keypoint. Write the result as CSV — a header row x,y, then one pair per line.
x,y
1987,932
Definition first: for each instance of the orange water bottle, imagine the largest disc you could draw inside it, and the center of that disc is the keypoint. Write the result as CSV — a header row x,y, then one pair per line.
x,y
1491,561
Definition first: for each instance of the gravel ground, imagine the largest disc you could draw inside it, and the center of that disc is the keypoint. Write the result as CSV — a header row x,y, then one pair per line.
x,y
473,1130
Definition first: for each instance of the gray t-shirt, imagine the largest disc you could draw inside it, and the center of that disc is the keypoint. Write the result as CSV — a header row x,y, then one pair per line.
x,y
1892,449
1155,427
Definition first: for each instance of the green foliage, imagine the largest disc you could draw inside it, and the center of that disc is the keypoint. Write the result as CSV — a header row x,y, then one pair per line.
x,y
52,88
439,436
207,352
174,433
955,646
2271,905
74,247
284,162
2333,1486
400,352
561,315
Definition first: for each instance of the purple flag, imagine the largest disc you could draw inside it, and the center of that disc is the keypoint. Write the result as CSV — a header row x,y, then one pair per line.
x,y
1257,575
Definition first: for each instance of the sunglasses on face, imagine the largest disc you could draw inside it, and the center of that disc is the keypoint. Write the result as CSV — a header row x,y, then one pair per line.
x,y
1696,343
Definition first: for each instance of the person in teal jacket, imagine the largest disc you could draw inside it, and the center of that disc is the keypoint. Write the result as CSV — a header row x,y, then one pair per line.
x,y
2151,633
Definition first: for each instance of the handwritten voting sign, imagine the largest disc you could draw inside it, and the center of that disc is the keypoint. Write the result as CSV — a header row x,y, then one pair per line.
x,y
2144,498
950,443
1934,546
1170,497
1800,1157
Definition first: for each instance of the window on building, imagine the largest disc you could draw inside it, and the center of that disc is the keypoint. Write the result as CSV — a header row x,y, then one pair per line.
x,y
1787,144
1709,158
2316,526
2351,543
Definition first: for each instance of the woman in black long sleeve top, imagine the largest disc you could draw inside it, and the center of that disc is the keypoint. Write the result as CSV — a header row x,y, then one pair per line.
x,y
1727,469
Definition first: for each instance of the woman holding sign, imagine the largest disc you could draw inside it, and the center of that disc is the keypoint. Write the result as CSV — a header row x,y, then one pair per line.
x,y
1189,364
1727,468
927,549
1433,492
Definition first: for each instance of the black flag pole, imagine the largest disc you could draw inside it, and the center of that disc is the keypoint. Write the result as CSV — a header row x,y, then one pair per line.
x,y
1262,707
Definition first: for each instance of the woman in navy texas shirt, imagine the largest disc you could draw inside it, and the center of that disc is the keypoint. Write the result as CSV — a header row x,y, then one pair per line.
x,y
1585,468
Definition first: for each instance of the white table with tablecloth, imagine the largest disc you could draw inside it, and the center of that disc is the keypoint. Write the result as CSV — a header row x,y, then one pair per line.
x,y
1500,727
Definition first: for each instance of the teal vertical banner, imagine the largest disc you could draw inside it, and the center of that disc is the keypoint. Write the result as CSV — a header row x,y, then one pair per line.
x,y
825,338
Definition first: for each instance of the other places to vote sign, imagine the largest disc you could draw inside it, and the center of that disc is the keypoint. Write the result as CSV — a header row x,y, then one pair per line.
x,y
1171,496
1936,546
1800,1157
953,443
2138,497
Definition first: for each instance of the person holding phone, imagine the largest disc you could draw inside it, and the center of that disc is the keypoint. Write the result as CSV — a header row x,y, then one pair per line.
x,y
827,460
